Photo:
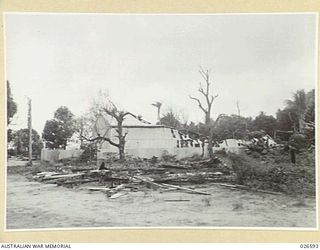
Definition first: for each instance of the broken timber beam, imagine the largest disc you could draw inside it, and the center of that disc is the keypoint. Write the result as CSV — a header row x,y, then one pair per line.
x,y
117,195
147,181
166,165
175,200
186,189
52,177
98,189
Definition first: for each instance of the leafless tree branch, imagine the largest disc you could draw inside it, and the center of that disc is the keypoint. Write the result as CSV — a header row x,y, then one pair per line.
x,y
100,138
213,98
199,103
125,134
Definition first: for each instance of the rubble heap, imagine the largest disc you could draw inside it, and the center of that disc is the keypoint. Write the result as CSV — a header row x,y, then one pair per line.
x,y
114,176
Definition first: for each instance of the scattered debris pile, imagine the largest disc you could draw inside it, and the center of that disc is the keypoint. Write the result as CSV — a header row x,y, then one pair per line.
x,y
269,173
262,146
116,178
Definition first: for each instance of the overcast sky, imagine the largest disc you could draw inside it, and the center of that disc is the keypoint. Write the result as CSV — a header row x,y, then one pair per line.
x,y
66,59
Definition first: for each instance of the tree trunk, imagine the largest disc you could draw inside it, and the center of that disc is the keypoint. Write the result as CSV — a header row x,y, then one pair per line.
x,y
206,108
207,119
121,140
121,152
210,144
301,123
202,146
293,156
158,115
210,150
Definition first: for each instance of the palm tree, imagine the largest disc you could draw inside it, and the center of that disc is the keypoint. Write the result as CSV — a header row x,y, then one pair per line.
x,y
158,106
299,104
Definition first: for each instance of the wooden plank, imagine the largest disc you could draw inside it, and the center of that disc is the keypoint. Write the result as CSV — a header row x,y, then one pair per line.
x,y
227,185
100,171
47,173
117,195
106,189
168,189
267,192
233,186
174,166
186,189
80,169
147,181
175,200
119,187
62,176
98,189
79,181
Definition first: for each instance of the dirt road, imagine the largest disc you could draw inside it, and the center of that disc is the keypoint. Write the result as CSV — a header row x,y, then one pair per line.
x,y
32,205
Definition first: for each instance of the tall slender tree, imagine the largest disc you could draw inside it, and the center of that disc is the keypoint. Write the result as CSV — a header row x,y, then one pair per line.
x,y
206,105
299,104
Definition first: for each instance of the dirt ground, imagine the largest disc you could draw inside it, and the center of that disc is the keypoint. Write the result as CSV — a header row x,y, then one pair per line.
x,y
33,205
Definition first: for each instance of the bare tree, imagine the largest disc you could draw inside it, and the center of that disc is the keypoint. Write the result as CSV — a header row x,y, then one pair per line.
x,y
84,127
107,107
119,116
206,106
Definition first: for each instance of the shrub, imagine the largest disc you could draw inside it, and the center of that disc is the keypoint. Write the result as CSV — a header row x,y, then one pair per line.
x,y
89,153
166,156
278,176
298,141
11,152
242,167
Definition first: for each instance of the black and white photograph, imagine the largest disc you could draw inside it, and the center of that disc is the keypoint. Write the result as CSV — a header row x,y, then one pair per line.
x,y
200,121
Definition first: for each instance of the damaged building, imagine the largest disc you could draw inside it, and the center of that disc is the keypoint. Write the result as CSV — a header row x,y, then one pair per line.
x,y
147,141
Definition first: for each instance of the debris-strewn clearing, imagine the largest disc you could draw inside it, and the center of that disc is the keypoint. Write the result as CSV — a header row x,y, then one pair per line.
x,y
141,192
265,173
135,174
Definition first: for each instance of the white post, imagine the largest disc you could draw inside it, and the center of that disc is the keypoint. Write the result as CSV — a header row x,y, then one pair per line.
x,y
30,133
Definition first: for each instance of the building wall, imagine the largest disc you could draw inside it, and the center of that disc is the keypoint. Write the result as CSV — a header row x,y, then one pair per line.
x,y
146,142
49,155
231,145
54,155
